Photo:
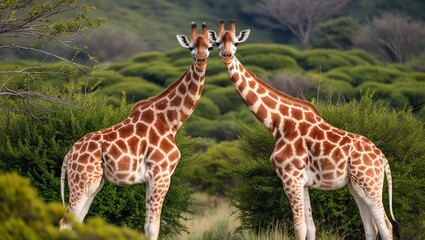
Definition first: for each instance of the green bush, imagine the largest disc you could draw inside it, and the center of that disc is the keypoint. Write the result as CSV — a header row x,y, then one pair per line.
x,y
336,33
207,109
25,216
322,60
135,88
261,201
156,72
361,74
149,57
255,49
211,172
35,148
225,98
270,61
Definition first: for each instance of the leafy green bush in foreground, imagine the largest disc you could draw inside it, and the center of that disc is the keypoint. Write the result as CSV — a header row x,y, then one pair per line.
x,y
23,215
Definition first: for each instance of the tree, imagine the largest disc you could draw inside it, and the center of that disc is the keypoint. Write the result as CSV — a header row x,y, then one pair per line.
x,y
301,17
336,33
395,37
28,27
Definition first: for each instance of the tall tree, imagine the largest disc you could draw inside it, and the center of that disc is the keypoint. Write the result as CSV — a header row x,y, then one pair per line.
x,y
25,25
393,36
301,17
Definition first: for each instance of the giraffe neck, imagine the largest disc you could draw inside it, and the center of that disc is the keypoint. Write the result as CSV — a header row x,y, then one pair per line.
x,y
175,104
271,107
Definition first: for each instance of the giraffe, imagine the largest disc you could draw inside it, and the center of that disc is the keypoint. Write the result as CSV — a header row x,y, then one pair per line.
x,y
309,152
141,148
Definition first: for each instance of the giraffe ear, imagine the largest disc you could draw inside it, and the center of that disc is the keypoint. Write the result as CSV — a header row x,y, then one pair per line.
x,y
183,41
212,36
243,35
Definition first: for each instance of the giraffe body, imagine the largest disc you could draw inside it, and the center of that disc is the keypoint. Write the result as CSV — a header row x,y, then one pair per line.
x,y
309,152
141,148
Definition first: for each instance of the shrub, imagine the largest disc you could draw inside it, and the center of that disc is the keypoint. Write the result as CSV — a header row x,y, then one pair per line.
x,y
211,173
225,98
254,49
322,60
149,57
336,33
25,216
361,74
261,200
270,61
207,109
156,72
135,88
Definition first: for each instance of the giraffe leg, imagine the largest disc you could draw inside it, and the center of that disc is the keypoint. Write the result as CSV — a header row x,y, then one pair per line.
x,y
295,194
311,229
156,190
376,209
370,227
91,194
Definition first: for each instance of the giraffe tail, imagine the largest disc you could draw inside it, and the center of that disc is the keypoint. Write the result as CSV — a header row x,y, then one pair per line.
x,y
396,226
63,176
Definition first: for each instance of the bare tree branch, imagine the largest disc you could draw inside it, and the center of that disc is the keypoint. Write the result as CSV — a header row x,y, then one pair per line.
x,y
301,17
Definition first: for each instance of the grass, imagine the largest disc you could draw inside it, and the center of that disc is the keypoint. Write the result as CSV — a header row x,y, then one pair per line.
x,y
214,219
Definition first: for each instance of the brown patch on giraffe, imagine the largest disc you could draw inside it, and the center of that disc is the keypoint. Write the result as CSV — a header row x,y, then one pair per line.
x,y
269,102
299,164
324,126
332,137
189,102
261,90
171,115
235,77
275,119
126,131
133,144
175,155
153,137
303,128
328,147
283,109
195,75
157,155
241,86
135,116
177,101
317,134
193,89
251,98
165,145
367,160
273,95
252,84
148,116
124,164
369,172
121,144
299,147
296,113
309,117
162,104
290,132
261,113
328,176
248,74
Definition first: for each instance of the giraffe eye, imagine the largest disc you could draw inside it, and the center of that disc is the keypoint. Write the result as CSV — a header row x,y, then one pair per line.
x,y
210,48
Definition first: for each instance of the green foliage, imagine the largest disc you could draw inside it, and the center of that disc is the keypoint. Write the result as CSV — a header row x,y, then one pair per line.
x,y
156,72
336,33
207,109
211,173
25,216
225,98
35,149
254,49
397,133
270,61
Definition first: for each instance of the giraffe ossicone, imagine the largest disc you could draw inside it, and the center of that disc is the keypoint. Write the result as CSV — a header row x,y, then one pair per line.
x,y
309,152
141,148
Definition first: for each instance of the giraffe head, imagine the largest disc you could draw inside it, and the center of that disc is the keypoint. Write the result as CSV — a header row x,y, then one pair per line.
x,y
226,41
200,45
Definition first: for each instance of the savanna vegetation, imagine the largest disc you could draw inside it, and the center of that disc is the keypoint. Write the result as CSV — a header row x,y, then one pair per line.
x,y
47,102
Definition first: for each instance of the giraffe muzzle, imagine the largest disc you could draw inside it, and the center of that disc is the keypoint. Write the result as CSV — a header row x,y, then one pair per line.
x,y
201,60
227,55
